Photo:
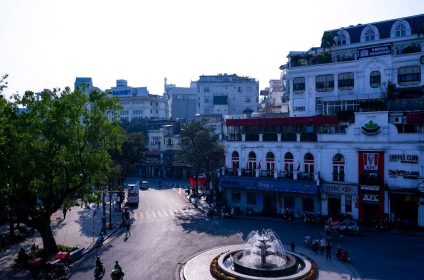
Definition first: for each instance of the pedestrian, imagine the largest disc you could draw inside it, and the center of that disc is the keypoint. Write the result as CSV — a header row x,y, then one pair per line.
x,y
328,250
322,246
128,225
293,246
3,243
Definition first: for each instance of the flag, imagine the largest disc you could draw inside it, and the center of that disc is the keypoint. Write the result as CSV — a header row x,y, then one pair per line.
x,y
192,181
259,165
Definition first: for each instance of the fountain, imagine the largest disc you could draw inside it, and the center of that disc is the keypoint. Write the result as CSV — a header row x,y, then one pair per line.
x,y
262,257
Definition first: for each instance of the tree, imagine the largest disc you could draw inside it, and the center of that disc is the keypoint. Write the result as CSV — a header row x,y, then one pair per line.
x,y
198,144
61,149
128,157
327,40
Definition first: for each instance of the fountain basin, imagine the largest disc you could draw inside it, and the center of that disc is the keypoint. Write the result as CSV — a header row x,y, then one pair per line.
x,y
267,270
301,269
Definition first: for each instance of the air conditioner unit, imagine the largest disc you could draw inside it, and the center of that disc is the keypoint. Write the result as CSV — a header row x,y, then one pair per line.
x,y
398,119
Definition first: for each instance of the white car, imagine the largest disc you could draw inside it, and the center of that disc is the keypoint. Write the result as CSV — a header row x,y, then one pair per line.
x,y
348,227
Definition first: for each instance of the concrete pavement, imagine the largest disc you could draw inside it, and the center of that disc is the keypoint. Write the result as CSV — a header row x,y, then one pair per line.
x,y
79,229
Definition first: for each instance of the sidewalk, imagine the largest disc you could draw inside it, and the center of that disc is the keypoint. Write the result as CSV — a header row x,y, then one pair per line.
x,y
79,229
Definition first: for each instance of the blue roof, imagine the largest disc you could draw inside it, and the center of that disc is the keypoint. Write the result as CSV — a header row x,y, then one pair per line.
x,y
384,27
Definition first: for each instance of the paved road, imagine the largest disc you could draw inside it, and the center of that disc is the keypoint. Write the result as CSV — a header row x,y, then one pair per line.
x,y
167,230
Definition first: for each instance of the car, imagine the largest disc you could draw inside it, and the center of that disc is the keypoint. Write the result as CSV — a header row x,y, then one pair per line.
x,y
144,185
348,227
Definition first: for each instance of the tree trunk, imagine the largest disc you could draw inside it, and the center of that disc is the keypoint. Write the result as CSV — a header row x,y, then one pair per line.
x,y
42,225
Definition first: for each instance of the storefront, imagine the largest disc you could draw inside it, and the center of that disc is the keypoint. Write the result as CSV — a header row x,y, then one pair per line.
x,y
270,196
404,205
371,186
338,199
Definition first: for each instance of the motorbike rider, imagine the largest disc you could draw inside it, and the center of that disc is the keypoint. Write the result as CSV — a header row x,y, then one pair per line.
x,y
99,264
117,272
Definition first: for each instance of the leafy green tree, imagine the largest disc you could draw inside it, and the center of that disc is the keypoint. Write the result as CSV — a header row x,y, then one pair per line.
x,y
199,147
126,159
327,40
62,148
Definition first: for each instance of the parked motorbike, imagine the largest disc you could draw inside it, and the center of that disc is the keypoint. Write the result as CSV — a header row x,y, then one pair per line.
x,y
117,273
381,225
342,255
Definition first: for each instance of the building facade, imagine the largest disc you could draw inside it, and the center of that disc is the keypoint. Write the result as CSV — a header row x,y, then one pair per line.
x,y
225,94
367,169
137,103
357,64
354,141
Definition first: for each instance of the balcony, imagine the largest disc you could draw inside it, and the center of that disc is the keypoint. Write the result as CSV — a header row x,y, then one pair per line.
x,y
284,175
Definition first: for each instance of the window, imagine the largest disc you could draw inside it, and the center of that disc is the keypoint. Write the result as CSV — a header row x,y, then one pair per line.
x,y
375,79
247,99
400,29
235,160
301,108
338,168
409,75
309,163
206,100
206,89
235,196
324,82
345,81
288,164
251,164
239,89
370,33
299,85
340,40
251,198
270,163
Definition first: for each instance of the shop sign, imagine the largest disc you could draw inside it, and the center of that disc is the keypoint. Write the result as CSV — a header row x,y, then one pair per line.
x,y
404,173
371,161
375,51
371,197
371,128
404,158
346,189
370,188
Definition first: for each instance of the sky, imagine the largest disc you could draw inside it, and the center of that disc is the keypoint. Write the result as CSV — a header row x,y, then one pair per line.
x,y
46,44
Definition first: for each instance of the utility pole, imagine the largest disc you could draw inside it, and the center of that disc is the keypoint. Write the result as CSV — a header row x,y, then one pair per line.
x,y
104,211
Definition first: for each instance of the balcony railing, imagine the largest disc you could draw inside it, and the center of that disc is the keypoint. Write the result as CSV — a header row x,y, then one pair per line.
x,y
288,175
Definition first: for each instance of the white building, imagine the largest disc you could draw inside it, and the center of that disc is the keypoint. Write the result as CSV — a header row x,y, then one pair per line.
x,y
137,103
354,143
225,94
363,63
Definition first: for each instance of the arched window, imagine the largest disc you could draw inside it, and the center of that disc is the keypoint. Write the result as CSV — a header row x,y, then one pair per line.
x,y
235,160
270,165
309,163
370,33
338,168
251,163
288,164
342,38
399,29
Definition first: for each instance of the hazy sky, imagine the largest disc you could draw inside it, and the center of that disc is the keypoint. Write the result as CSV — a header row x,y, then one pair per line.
x,y
47,43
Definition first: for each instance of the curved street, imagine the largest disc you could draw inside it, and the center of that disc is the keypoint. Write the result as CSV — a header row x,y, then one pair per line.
x,y
167,230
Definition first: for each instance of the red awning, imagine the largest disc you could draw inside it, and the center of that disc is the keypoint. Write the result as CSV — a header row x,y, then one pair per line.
x,y
316,120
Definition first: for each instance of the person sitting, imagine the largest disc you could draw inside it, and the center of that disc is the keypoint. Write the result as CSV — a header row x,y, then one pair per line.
x,y
117,271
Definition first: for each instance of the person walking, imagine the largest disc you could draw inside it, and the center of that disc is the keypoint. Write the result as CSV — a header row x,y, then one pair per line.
x,y
128,225
328,250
